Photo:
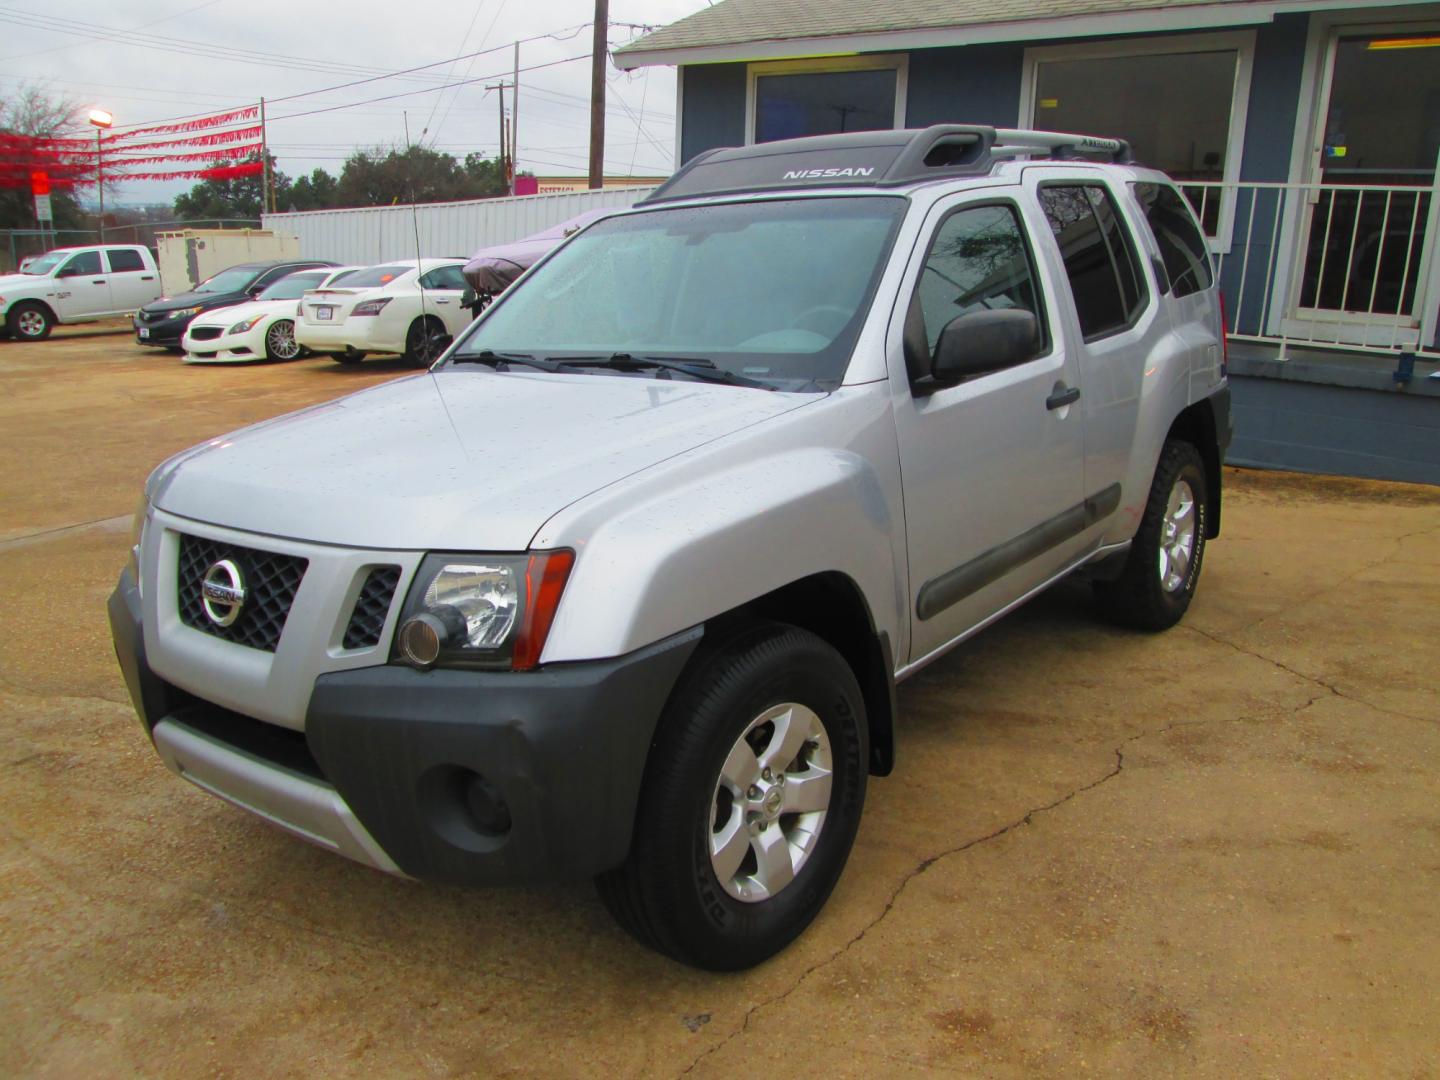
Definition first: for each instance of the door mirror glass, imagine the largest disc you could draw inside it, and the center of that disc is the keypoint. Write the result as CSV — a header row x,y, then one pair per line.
x,y
985,341
468,297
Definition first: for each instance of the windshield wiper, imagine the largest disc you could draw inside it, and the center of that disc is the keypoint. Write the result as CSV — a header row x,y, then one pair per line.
x,y
695,367
502,361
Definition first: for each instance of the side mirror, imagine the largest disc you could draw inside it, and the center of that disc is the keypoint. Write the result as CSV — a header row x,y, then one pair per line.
x,y
254,290
67,271
469,296
984,341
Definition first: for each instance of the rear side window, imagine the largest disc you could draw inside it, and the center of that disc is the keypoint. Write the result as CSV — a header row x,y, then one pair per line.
x,y
979,261
123,262
1182,248
443,277
1099,257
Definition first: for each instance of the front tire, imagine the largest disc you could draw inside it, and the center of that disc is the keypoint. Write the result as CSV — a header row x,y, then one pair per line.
x,y
29,321
1154,589
750,804
280,343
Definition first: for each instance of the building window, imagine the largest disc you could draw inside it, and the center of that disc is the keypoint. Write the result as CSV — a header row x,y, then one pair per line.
x,y
1180,102
790,100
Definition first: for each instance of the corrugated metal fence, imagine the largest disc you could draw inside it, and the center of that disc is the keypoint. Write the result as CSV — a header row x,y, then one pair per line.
x,y
370,235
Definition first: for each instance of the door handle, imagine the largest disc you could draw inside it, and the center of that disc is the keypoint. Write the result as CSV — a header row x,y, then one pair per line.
x,y
438,301
97,281
1060,398
147,277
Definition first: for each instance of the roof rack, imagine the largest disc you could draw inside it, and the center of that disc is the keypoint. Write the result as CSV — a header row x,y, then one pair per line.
x,y
878,159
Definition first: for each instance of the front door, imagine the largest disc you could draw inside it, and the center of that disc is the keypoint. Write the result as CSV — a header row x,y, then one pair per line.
x,y
989,463
82,287
1369,257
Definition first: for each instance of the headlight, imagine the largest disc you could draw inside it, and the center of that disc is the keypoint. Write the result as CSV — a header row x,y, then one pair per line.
x,y
241,327
137,537
482,610
184,312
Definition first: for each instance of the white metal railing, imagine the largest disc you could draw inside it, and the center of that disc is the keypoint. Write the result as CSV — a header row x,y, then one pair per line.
x,y
1334,266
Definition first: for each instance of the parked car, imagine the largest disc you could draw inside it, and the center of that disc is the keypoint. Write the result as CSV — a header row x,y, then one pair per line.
x,y
413,308
76,285
263,329
162,323
623,586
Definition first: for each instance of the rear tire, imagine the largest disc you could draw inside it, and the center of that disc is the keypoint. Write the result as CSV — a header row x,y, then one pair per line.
x,y
425,341
726,868
1154,589
29,321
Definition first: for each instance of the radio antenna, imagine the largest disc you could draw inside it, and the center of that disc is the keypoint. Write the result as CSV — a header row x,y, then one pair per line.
x,y
415,228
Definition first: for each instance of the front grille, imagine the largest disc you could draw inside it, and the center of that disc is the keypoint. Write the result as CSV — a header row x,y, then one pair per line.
x,y
206,333
153,316
371,607
270,583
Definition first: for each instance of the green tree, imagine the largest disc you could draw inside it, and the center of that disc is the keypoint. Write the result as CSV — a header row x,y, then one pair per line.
x,y
379,177
313,192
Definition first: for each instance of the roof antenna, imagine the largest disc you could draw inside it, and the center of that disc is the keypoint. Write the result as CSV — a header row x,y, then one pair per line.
x,y
415,227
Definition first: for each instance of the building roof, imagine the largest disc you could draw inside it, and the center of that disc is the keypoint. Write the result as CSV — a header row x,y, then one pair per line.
x,y
759,29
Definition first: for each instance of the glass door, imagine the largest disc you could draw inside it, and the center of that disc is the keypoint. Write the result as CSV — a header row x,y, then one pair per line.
x,y
1368,259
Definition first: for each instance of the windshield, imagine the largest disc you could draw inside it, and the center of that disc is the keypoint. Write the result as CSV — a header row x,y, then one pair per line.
x,y
775,291
236,279
293,287
45,263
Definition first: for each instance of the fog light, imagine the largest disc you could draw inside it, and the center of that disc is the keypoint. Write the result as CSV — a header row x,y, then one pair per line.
x,y
421,639
487,807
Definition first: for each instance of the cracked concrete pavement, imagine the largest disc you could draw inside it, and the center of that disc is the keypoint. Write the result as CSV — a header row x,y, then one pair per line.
x,y
1210,852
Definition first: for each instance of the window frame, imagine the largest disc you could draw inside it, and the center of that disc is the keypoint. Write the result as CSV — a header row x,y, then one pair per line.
x,y
1047,338
1241,41
1169,282
897,62
1142,255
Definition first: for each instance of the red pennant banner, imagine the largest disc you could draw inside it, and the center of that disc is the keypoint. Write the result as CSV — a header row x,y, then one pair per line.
x,y
250,112
221,172
215,138
124,160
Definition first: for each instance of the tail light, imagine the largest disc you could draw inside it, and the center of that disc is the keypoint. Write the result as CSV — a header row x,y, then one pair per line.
x,y
370,307
1224,339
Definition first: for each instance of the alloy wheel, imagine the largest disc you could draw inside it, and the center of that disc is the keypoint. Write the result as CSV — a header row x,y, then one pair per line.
x,y
1177,537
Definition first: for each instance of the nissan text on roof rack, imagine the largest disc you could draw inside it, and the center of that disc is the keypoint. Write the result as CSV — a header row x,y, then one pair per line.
x,y
622,586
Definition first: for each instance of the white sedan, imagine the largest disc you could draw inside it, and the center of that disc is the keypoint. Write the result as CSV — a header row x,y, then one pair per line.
x,y
262,329
409,307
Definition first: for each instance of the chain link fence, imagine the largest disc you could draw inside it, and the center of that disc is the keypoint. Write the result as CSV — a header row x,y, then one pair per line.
x,y
17,245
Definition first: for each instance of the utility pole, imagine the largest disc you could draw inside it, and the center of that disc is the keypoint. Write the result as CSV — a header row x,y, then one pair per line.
x,y
267,198
599,56
506,151
515,121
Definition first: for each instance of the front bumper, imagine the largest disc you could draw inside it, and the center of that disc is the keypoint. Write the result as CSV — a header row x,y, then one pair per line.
x,y
166,333
384,769
245,348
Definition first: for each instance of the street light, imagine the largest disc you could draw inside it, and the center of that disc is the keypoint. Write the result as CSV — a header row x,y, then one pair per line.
x,y
102,120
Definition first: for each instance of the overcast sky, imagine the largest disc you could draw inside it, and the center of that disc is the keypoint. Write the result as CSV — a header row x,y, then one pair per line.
x,y
178,57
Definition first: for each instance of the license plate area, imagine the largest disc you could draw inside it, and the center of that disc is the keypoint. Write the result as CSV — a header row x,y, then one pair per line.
x,y
324,314
144,332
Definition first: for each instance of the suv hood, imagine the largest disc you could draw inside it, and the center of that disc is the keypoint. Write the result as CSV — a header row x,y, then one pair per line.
x,y
455,460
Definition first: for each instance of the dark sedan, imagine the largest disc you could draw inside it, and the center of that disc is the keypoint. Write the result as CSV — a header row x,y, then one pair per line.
x,y
162,322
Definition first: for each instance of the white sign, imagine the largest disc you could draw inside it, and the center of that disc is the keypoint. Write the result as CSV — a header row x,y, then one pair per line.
x,y
42,208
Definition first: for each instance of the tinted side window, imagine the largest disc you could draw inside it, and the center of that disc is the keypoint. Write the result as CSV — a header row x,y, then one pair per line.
x,y
87,262
979,260
1099,256
123,262
1182,248
443,277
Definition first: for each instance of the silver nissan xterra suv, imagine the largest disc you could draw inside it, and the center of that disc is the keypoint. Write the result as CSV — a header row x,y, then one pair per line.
x,y
623,585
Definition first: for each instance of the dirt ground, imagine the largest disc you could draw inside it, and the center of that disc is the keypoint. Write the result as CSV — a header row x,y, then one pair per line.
x,y
1214,852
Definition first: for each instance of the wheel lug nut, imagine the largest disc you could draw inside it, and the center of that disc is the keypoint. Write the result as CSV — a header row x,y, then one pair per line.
x,y
767,775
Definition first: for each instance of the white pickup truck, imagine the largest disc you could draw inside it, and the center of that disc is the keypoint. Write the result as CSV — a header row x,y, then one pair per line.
x,y
75,285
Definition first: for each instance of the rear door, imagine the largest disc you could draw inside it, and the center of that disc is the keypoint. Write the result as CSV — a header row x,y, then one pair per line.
x,y
994,466
443,288
1116,322
133,284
